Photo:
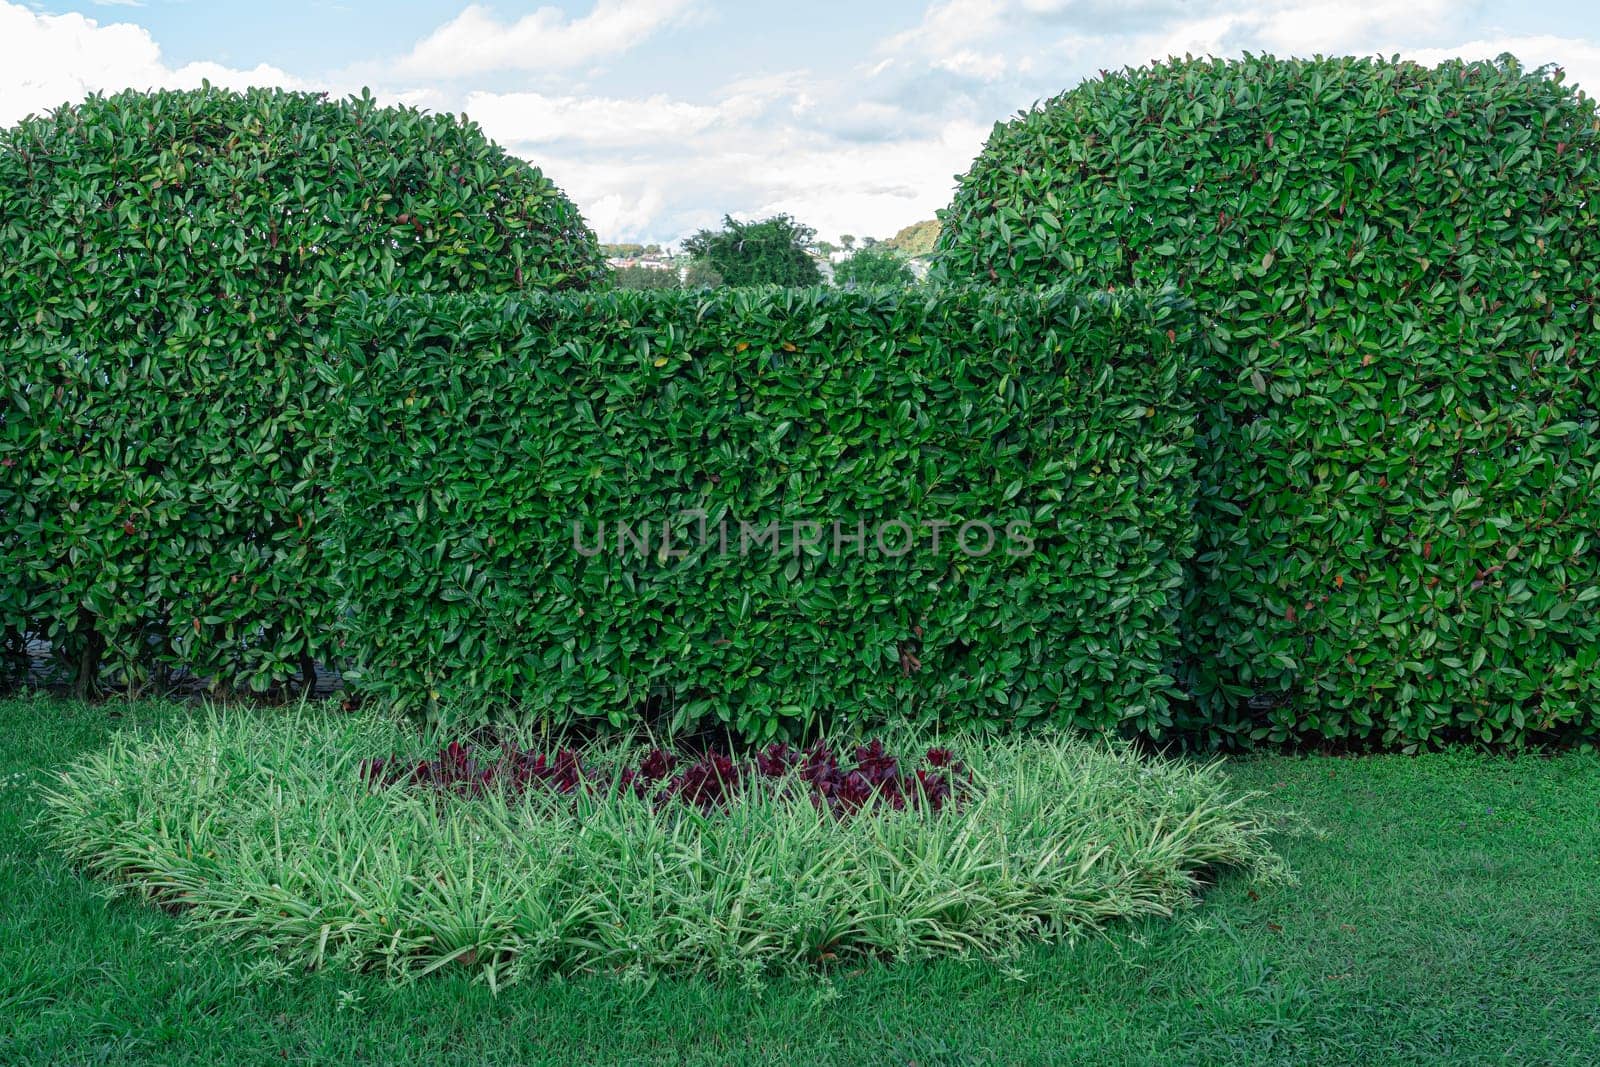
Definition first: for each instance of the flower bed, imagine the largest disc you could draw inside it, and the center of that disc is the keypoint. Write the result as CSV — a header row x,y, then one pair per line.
x,y
280,834
710,781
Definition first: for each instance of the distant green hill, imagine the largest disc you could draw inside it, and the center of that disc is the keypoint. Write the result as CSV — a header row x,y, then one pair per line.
x,y
916,239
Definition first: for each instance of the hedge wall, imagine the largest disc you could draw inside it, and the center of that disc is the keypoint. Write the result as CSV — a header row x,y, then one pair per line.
x,y
481,430
170,259
1400,449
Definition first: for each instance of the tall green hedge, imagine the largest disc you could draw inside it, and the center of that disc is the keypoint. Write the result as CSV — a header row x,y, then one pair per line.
x,y
1400,447
170,262
481,430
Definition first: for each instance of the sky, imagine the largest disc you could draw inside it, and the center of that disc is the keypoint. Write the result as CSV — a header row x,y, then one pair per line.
x,y
660,116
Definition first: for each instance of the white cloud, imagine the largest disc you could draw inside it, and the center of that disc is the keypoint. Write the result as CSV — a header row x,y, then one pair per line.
x,y
48,60
1299,27
1328,27
1422,30
476,42
532,118
974,64
872,188
951,31
943,39
863,151
758,169
1340,26
1002,37
537,119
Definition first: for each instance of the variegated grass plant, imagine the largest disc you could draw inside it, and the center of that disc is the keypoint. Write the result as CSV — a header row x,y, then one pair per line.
x,y
263,832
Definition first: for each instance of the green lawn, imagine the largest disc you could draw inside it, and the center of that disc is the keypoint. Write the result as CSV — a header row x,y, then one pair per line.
x,y
1450,913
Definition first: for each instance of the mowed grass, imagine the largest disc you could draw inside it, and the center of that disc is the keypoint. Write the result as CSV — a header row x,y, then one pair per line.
x,y
1448,912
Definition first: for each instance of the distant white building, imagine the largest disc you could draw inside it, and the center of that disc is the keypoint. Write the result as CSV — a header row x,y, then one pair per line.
x,y
647,262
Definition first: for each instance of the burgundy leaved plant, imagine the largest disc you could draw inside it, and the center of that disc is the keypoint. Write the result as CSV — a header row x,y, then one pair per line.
x,y
708,782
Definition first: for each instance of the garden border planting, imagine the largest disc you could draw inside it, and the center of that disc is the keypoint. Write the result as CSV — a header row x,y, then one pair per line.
x,y
265,833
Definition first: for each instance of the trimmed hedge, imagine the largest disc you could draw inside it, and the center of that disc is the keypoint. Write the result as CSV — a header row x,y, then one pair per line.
x,y
1400,447
481,430
171,259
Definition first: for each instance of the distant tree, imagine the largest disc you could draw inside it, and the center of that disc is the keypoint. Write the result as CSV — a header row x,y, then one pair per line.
x,y
848,240
917,239
769,252
827,248
701,275
872,266
621,251
640,277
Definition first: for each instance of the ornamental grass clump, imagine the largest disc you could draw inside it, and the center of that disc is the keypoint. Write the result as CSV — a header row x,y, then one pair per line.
x,y
271,834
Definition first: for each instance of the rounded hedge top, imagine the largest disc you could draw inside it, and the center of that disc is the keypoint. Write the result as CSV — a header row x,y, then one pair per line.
x,y
171,261
1399,431
1215,173
155,196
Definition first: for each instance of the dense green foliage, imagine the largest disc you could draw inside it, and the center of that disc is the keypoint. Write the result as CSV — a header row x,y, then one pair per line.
x,y
872,266
278,847
171,262
640,277
773,251
1400,423
768,507
1445,914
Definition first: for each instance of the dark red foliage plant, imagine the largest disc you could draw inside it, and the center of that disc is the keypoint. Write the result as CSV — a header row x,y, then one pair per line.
x,y
873,778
